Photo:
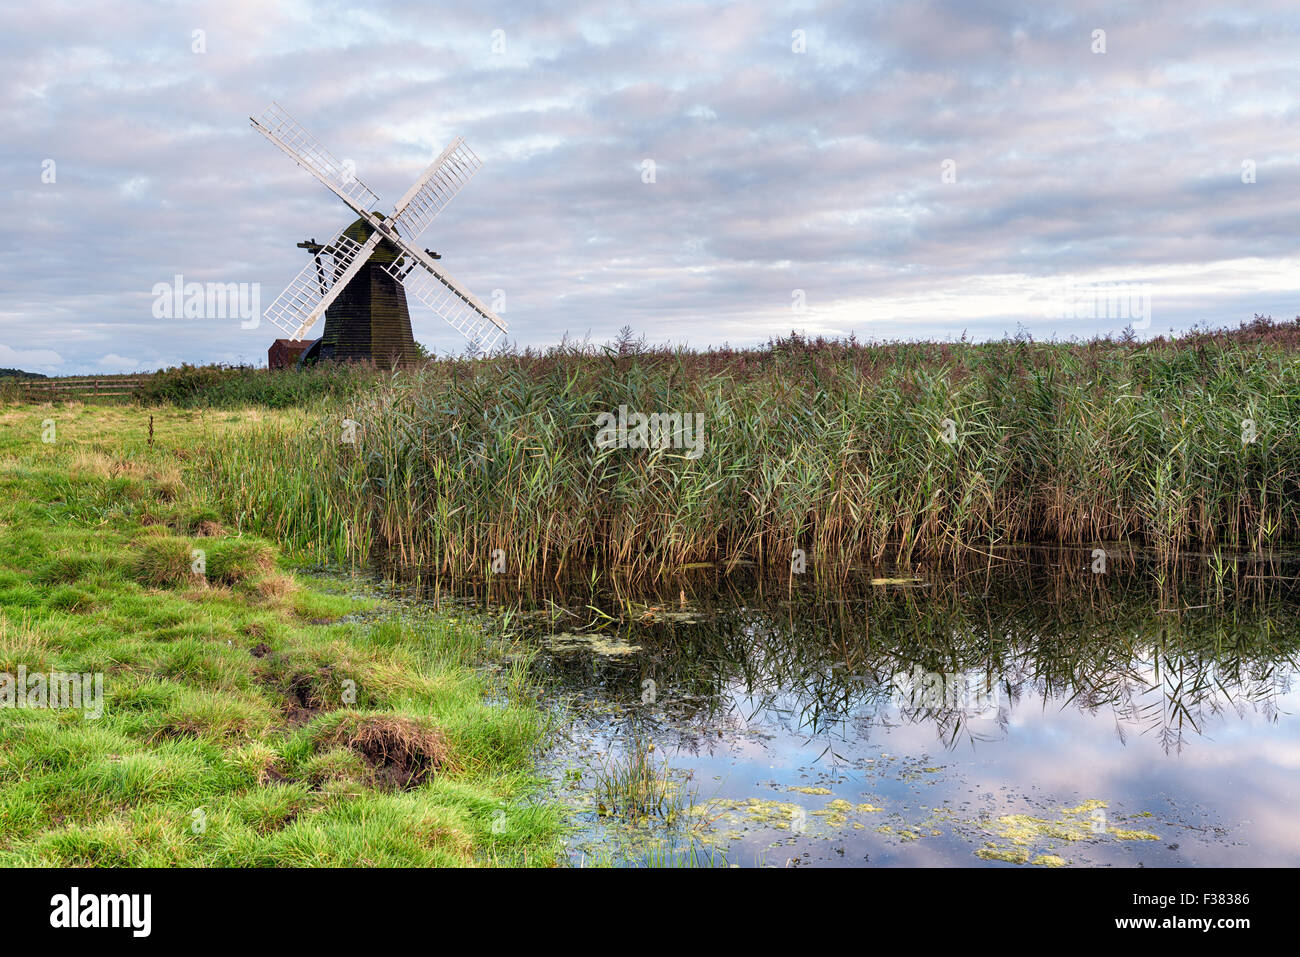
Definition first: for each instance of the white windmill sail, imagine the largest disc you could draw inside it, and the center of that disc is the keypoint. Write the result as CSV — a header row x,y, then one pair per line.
x,y
434,189
309,153
305,299
454,304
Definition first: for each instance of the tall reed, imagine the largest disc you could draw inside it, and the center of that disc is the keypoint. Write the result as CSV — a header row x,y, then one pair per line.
x,y
836,448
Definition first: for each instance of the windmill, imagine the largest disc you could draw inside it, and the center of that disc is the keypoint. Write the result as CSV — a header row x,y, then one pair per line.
x,y
359,280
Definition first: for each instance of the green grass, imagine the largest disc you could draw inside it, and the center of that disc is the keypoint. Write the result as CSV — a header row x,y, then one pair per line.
x,y
252,717
837,449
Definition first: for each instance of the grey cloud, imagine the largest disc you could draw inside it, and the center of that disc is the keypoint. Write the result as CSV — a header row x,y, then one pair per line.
x,y
775,170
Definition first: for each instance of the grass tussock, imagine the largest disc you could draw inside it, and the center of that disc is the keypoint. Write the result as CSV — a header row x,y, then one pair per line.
x,y
164,560
401,752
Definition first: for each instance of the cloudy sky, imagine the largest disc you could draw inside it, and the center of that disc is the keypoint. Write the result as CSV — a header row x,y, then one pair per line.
x,y
896,170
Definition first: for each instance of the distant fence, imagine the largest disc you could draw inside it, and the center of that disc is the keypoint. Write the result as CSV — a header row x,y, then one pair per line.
x,y
48,390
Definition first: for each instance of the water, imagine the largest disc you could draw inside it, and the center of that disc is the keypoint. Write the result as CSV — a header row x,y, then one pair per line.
x,y
1027,713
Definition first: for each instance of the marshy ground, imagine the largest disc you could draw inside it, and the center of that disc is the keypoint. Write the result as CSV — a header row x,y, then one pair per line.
x,y
252,716
634,656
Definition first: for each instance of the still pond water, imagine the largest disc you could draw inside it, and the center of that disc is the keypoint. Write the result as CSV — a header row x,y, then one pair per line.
x,y
1024,713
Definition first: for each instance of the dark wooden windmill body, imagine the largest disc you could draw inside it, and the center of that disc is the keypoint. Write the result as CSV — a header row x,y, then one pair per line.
x,y
369,320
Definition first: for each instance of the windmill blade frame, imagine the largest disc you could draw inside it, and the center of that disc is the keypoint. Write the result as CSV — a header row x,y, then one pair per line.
x,y
434,189
307,297
292,138
452,302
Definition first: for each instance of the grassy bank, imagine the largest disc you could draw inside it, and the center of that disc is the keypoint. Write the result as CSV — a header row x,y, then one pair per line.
x,y
851,453
250,717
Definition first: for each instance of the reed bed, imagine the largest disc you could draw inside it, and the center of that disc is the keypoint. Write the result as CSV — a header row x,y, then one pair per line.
x,y
466,467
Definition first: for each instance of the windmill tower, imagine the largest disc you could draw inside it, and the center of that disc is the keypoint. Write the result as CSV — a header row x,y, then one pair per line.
x,y
360,279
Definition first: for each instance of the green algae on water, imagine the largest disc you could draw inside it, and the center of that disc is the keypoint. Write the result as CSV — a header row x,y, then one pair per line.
x,y
571,641
1084,822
